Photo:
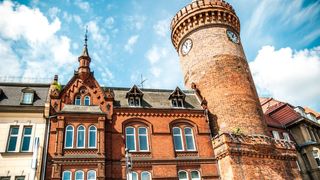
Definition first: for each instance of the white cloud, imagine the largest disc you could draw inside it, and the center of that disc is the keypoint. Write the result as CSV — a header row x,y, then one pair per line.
x,y
109,22
155,53
131,42
135,22
53,12
85,6
31,44
162,27
288,75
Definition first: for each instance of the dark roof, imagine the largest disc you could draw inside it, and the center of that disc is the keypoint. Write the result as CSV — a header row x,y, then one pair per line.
x,y
155,98
12,93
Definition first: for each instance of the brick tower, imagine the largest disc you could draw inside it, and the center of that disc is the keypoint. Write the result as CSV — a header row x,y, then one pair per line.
x,y
206,35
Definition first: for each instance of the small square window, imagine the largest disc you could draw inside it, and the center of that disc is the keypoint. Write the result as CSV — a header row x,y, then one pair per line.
x,y
27,98
134,101
19,178
5,178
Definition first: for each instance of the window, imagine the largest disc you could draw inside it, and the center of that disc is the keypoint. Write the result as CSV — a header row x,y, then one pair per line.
x,y
286,136
134,176
189,139
79,175
143,139
12,140
91,175
5,178
183,175
275,134
27,98
195,175
19,178
66,175
26,138
316,156
87,100
69,137
134,101
177,98
80,136
145,175
77,100
177,139
177,102
92,137
130,138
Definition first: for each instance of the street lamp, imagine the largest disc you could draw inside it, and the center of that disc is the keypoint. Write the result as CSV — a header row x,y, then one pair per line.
x,y
128,164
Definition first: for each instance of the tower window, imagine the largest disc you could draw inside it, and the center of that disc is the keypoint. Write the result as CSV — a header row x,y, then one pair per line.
x,y
77,100
87,100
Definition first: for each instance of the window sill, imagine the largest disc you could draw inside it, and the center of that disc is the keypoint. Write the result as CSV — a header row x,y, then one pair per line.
x,y
80,151
140,153
186,153
16,153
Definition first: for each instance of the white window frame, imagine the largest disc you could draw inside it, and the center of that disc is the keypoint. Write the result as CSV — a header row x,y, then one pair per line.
x,y
192,135
182,143
316,156
30,98
276,135
23,136
89,141
198,174
75,175
95,174
134,138
9,138
286,136
65,137
84,137
185,172
131,175
146,172
70,177
84,101
146,138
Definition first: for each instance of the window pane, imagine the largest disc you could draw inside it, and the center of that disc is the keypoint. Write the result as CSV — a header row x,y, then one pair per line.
x,y
80,140
87,101
77,100
69,136
14,131
19,178
129,130
143,142
142,130
145,176
27,98
79,175
66,175
189,139
25,143
130,142
134,176
183,175
92,136
12,140
195,175
91,175
177,139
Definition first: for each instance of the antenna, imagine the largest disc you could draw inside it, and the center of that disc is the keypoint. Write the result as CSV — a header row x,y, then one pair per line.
x,y
142,81
86,36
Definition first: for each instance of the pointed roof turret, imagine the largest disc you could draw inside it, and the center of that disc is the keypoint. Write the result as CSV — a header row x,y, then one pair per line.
x,y
84,59
85,52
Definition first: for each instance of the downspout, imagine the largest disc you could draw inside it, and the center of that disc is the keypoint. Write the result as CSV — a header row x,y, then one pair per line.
x,y
45,151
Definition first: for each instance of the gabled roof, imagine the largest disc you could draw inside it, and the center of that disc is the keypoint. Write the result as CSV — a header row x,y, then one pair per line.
x,y
134,91
177,93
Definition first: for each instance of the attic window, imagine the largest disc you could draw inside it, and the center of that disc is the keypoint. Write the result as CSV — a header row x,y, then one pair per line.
x,y
177,98
134,96
27,96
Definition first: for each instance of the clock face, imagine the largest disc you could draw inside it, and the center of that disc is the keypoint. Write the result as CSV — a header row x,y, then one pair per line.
x,y
232,36
186,46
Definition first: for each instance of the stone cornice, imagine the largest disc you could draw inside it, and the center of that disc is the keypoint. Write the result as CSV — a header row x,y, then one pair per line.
x,y
202,13
261,146
159,114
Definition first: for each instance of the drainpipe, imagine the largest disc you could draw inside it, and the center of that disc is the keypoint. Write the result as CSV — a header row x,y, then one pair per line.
x,y
45,151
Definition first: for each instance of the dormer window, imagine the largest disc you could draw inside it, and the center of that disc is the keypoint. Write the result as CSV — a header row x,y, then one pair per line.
x,y
77,100
134,96
177,98
27,96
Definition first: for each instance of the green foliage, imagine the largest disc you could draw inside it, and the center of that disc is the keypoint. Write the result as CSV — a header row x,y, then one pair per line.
x,y
57,86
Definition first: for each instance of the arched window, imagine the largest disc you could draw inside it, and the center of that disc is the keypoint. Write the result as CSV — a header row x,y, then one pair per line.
x,y
195,175
189,139
69,137
177,139
66,175
130,138
77,100
183,175
143,139
87,100
79,175
92,137
91,175
134,176
80,136
145,175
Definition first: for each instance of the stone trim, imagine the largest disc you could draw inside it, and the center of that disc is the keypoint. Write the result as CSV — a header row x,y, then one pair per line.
x,y
158,114
202,13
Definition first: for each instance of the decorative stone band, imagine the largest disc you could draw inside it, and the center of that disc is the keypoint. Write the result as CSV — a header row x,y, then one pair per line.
x,y
253,146
138,114
202,13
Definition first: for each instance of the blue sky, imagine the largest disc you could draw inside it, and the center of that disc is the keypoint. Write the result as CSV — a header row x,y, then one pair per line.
x,y
129,38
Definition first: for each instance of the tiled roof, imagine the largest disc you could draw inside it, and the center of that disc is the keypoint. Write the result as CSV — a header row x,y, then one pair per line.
x,y
272,122
155,98
12,93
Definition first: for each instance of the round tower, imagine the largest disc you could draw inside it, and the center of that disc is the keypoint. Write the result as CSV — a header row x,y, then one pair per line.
x,y
206,35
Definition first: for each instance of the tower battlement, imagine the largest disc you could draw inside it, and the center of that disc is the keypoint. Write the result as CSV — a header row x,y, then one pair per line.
x,y
202,13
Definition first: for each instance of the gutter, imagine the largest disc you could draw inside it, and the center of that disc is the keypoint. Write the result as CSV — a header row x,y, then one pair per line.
x,y
45,152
